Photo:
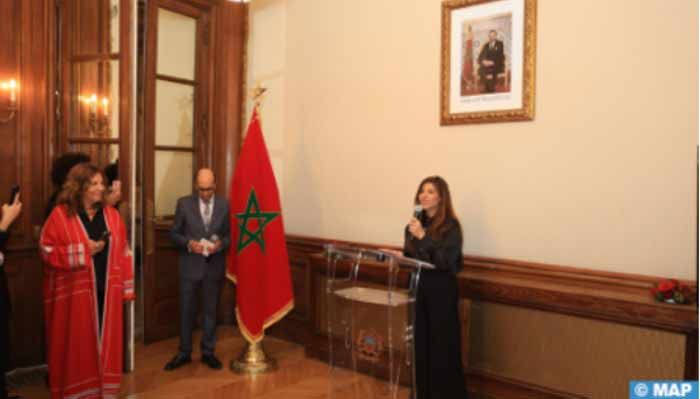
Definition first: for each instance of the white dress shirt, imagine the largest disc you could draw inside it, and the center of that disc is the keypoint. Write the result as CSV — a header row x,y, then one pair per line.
x,y
202,207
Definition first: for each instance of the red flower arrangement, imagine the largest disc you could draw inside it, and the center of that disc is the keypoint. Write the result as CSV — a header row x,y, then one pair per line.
x,y
671,291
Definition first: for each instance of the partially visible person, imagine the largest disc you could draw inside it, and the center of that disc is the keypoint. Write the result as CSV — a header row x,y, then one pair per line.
x,y
10,212
201,219
491,62
59,171
435,236
113,196
88,276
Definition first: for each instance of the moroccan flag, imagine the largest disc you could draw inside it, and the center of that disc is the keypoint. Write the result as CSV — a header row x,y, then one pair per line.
x,y
257,259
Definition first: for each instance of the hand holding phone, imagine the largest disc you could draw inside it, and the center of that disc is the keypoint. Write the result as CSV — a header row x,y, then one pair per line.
x,y
105,236
11,211
13,194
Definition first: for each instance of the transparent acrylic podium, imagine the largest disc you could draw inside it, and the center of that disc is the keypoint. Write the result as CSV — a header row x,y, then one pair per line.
x,y
370,300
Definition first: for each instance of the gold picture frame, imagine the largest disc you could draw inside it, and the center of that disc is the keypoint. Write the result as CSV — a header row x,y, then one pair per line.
x,y
487,61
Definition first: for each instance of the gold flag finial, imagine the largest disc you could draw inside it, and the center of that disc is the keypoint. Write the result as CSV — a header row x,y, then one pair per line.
x,y
257,94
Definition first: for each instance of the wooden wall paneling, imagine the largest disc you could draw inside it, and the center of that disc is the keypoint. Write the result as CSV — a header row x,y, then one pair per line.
x,y
491,385
25,273
10,68
147,159
65,49
299,325
230,24
609,297
228,46
204,90
126,97
25,54
691,356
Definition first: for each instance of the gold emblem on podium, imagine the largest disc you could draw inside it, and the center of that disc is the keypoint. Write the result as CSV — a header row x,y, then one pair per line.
x,y
370,345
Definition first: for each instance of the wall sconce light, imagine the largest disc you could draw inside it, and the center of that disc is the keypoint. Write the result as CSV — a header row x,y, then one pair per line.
x,y
12,87
98,119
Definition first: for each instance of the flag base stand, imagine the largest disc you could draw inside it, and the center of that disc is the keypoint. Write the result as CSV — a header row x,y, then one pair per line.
x,y
253,360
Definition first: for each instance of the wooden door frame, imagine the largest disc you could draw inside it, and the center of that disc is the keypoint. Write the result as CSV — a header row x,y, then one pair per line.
x,y
202,136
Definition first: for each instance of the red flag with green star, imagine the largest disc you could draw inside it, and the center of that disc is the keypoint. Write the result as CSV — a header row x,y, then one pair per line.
x,y
257,259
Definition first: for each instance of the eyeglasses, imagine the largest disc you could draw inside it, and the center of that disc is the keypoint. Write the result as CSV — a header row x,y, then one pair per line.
x,y
206,190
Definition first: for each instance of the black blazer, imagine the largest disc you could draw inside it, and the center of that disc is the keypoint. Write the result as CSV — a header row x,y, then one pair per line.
x,y
496,55
3,240
4,312
189,225
4,291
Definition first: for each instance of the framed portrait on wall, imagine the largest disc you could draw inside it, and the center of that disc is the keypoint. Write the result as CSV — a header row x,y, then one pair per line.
x,y
488,61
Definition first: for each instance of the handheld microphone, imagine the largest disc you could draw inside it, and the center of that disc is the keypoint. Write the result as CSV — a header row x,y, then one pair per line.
x,y
417,211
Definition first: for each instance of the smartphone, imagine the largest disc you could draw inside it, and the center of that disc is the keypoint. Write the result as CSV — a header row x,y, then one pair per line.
x,y
13,194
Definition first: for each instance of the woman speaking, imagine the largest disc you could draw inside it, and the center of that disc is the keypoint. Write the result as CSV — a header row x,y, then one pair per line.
x,y
434,235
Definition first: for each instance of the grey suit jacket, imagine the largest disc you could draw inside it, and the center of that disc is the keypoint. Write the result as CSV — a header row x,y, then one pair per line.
x,y
189,225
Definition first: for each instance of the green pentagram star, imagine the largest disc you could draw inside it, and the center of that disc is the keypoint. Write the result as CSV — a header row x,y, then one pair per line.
x,y
252,211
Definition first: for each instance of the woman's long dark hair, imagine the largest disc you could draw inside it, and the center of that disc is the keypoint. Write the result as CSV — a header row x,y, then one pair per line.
x,y
77,182
445,212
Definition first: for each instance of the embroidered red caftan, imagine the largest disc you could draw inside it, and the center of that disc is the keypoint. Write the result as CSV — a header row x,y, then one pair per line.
x,y
84,362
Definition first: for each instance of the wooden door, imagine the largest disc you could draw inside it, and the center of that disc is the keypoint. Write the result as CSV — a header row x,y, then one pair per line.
x,y
177,141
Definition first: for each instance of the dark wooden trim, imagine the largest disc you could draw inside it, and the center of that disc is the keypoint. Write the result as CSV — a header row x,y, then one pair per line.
x,y
174,79
152,331
244,73
229,101
691,356
524,266
493,386
616,297
91,140
173,148
204,74
49,140
127,95
193,8
97,57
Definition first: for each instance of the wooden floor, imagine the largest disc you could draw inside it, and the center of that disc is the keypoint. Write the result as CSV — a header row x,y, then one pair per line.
x,y
298,377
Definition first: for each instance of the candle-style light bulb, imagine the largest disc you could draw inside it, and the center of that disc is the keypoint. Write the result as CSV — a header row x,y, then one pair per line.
x,y
93,105
105,106
12,85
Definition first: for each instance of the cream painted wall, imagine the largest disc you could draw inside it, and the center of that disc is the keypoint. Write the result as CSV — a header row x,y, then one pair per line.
x,y
603,178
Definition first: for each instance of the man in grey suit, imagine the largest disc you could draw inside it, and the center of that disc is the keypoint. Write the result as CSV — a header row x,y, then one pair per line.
x,y
201,232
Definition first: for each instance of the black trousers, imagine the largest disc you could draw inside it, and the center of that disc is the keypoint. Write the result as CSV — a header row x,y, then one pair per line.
x,y
439,371
4,332
209,289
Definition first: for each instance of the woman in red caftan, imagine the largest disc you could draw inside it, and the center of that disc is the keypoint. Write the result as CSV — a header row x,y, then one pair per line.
x,y
88,276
